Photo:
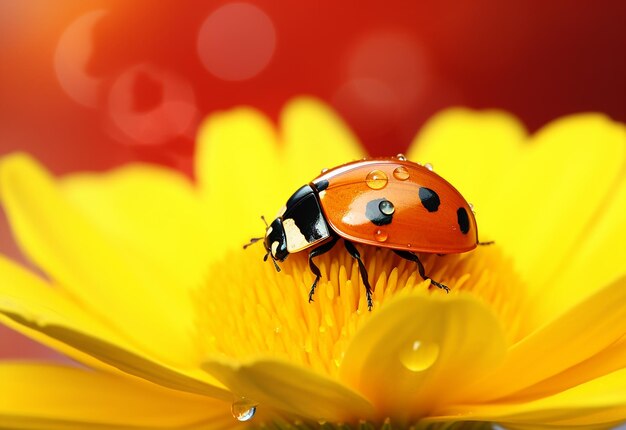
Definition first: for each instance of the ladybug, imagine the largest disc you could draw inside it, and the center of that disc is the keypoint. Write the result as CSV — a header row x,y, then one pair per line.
x,y
386,202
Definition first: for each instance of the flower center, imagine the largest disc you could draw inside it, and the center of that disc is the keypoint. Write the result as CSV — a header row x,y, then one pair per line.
x,y
247,310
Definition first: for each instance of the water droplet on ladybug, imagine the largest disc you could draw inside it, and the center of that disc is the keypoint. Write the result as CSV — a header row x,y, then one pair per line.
x,y
324,170
401,173
419,355
471,206
429,166
243,409
380,235
386,207
376,179
401,157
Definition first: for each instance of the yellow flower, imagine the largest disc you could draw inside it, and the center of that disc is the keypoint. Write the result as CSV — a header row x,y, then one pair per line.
x,y
143,280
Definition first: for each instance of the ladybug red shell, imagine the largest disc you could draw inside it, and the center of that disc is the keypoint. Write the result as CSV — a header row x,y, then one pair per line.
x,y
385,202
395,203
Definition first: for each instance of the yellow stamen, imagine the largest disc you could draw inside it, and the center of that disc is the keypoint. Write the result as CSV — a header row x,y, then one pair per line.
x,y
255,311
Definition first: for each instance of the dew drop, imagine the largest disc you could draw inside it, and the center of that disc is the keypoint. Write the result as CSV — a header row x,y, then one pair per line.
x,y
401,157
419,356
324,170
376,179
429,166
471,206
401,173
243,409
386,207
380,235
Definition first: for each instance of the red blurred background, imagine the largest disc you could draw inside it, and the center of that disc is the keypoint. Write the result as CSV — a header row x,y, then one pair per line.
x,y
88,85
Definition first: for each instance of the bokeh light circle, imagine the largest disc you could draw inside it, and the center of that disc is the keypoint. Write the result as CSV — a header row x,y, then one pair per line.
x,y
157,120
384,78
237,41
72,54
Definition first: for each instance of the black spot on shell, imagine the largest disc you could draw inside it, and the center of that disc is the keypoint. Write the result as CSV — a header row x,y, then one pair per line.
x,y
375,215
463,220
430,199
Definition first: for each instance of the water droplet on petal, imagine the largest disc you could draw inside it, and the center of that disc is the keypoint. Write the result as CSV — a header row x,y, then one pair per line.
x,y
380,235
401,173
376,179
429,166
243,409
401,157
386,207
419,356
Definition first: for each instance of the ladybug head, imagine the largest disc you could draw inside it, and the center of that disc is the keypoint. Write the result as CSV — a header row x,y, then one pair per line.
x,y
276,241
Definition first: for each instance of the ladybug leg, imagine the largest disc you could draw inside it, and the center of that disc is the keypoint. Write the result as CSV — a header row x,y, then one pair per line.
x,y
354,253
420,267
316,271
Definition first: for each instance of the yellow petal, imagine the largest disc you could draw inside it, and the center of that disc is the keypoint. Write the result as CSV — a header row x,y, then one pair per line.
x,y
20,289
540,198
578,335
314,138
411,348
598,257
154,215
68,247
239,176
292,389
45,314
556,193
600,402
608,360
60,397
246,168
472,150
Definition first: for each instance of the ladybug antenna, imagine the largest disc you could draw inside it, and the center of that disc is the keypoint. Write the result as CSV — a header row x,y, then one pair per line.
x,y
252,241
491,242
256,239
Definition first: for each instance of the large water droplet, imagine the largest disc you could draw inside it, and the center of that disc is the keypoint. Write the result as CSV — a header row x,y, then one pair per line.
x,y
376,179
419,356
243,409
386,207
380,235
401,173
